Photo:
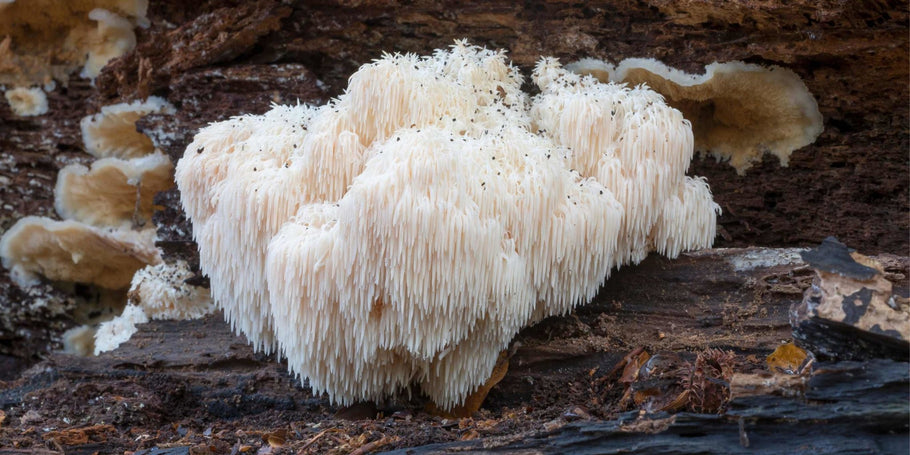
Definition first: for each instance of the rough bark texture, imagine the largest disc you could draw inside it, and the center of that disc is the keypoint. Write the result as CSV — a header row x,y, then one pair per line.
x,y
193,384
214,59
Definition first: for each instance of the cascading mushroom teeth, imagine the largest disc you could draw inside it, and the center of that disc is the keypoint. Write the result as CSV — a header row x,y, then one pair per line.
x,y
406,231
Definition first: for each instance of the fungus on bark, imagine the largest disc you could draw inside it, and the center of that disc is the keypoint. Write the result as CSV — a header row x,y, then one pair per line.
x,y
27,102
738,111
113,333
75,252
114,191
406,231
112,132
157,292
162,293
112,38
45,40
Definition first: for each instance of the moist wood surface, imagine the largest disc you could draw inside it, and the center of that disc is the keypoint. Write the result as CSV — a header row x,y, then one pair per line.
x,y
194,384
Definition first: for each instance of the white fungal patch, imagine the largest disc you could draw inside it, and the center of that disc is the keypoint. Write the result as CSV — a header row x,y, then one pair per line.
x,y
106,194
113,333
753,259
405,232
162,293
27,102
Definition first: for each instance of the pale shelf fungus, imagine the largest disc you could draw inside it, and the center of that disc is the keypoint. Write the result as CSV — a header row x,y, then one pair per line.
x,y
739,111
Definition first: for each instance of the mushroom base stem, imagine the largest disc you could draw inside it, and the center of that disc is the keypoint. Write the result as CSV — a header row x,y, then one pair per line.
x,y
473,402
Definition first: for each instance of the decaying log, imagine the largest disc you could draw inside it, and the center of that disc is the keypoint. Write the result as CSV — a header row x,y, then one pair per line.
x,y
176,381
212,60
850,407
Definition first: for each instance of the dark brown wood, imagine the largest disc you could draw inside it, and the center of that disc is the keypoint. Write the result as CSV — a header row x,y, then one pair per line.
x,y
848,408
175,381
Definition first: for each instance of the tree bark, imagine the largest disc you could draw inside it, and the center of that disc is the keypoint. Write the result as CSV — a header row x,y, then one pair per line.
x,y
176,381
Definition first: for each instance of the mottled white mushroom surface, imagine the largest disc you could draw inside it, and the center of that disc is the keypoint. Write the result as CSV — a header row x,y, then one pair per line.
x,y
75,252
45,40
406,231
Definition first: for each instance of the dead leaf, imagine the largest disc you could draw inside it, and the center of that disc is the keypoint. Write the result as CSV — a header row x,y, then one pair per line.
x,y
633,366
788,358
79,436
277,438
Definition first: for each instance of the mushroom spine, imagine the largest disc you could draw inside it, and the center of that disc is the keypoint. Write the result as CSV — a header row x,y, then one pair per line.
x,y
406,231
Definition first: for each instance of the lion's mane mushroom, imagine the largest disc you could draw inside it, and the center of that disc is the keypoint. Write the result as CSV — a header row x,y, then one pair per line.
x,y
632,143
405,232
738,111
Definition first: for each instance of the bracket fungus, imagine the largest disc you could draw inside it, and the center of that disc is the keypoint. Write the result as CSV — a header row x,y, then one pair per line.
x,y
738,111
113,191
45,40
112,132
403,233
96,242
75,252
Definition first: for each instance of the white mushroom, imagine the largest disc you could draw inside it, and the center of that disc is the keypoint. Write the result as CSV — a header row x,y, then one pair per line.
x,y
44,40
405,232
113,333
27,102
162,293
75,252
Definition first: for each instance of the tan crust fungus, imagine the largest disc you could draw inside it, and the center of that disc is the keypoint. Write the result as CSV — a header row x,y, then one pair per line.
x,y
738,111
114,191
43,40
112,132
27,102
406,231
75,252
